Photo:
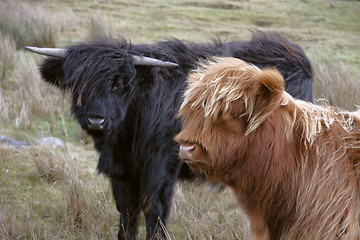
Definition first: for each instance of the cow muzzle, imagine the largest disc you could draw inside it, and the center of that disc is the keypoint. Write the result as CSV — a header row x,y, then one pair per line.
x,y
185,152
96,123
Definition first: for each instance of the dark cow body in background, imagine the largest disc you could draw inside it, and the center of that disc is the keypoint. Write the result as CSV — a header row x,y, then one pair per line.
x,y
130,109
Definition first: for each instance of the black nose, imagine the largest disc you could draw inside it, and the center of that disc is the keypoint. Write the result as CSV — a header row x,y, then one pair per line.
x,y
96,123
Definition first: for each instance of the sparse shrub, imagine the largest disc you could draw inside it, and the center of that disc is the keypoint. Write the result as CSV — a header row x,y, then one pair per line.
x,y
7,56
334,83
27,25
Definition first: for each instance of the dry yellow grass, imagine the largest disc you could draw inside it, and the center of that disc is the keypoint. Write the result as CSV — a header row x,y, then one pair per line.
x,y
27,24
55,193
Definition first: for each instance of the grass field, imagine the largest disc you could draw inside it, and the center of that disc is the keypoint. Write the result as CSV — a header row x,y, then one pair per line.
x,y
50,193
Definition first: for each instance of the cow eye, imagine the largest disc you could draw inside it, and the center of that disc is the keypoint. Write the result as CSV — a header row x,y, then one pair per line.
x,y
116,85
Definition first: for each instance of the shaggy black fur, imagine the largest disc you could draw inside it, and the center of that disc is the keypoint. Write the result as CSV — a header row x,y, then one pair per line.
x,y
139,105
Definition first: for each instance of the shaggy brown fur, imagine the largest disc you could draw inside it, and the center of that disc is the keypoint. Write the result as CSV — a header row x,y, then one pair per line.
x,y
293,165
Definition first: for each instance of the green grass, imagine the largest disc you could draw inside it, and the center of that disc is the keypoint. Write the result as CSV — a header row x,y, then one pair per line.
x,y
313,24
56,194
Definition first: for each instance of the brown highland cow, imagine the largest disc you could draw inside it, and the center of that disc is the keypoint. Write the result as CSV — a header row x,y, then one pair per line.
x,y
294,166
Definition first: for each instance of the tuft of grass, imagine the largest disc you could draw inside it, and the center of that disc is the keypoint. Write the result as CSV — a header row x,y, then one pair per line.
x,y
61,201
14,227
98,28
204,212
334,83
49,168
27,25
7,56
77,206
25,97
3,170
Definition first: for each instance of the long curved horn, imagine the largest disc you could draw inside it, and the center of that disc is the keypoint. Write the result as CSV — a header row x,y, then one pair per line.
x,y
53,52
146,61
138,60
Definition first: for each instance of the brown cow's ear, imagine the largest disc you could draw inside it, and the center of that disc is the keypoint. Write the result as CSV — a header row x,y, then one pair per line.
x,y
268,93
272,80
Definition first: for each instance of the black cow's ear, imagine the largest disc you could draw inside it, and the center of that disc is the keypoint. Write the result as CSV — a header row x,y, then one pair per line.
x,y
51,70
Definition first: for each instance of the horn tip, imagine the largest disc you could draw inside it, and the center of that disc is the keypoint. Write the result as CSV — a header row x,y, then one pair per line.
x,y
28,48
171,64
52,52
32,49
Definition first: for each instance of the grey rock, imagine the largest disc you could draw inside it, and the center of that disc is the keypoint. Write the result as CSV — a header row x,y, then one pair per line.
x,y
51,142
46,141
12,142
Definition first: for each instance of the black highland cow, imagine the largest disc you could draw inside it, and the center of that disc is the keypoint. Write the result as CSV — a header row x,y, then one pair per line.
x,y
128,104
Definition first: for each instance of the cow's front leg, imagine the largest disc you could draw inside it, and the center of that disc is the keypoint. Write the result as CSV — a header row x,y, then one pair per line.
x,y
153,211
156,208
127,202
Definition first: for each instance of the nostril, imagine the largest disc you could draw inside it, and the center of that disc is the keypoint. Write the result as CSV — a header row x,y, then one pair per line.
x,y
96,123
187,148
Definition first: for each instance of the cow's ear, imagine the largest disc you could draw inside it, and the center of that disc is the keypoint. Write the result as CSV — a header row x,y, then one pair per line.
x,y
51,70
271,81
269,91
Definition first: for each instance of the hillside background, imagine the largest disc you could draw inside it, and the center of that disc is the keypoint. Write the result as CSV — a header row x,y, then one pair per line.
x,y
48,193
